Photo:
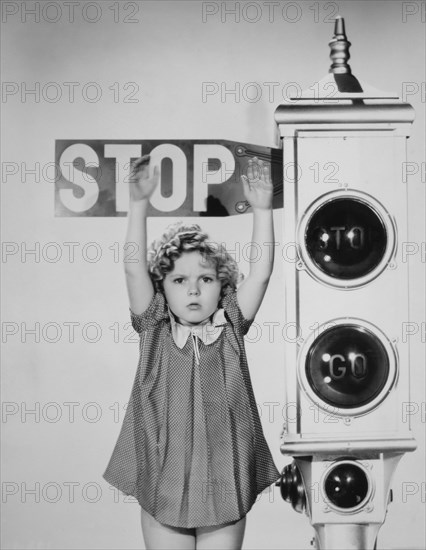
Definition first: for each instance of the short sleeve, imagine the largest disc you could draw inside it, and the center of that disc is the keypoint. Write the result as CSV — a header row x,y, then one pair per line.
x,y
233,312
154,314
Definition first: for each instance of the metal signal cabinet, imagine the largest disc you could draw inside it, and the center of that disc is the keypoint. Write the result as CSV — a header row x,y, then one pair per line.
x,y
346,295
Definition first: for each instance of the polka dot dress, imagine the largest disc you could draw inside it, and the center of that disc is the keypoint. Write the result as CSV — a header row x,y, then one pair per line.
x,y
191,449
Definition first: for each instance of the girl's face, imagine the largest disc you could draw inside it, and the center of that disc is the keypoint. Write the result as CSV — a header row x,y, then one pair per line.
x,y
192,289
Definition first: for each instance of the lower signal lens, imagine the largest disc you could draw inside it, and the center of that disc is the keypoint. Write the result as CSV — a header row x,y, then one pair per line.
x,y
346,485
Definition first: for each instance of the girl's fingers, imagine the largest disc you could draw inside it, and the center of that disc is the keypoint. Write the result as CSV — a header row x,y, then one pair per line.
x,y
258,169
140,169
246,184
250,169
140,163
267,173
142,160
258,175
156,175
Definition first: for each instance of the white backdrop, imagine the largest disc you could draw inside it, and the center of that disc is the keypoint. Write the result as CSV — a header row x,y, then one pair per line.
x,y
68,365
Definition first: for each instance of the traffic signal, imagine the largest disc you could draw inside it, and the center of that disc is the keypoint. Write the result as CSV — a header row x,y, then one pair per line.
x,y
346,294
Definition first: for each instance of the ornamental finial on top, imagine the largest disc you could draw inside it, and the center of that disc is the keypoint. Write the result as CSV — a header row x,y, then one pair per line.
x,y
339,46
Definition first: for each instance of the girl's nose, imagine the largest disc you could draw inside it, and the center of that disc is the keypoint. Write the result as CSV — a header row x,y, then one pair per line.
x,y
193,291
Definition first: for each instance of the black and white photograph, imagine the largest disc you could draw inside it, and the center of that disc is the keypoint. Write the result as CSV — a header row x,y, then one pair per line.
x,y
213,251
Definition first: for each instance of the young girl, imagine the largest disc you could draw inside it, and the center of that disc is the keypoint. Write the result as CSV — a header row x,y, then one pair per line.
x,y
191,449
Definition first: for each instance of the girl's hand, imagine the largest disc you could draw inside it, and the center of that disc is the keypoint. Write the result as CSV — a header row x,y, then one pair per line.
x,y
258,188
141,185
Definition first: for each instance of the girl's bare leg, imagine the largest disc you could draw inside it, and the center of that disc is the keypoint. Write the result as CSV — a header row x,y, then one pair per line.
x,y
162,537
221,537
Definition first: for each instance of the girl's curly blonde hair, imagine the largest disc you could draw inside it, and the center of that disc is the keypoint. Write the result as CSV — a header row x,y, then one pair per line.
x,y
180,238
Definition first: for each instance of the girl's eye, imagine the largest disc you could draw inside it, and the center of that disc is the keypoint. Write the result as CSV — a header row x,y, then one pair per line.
x,y
178,280
208,279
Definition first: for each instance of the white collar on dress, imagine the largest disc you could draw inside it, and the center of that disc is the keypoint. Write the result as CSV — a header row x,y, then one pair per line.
x,y
208,332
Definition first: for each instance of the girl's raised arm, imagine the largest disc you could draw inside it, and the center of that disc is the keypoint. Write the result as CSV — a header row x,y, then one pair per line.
x,y
258,191
141,187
